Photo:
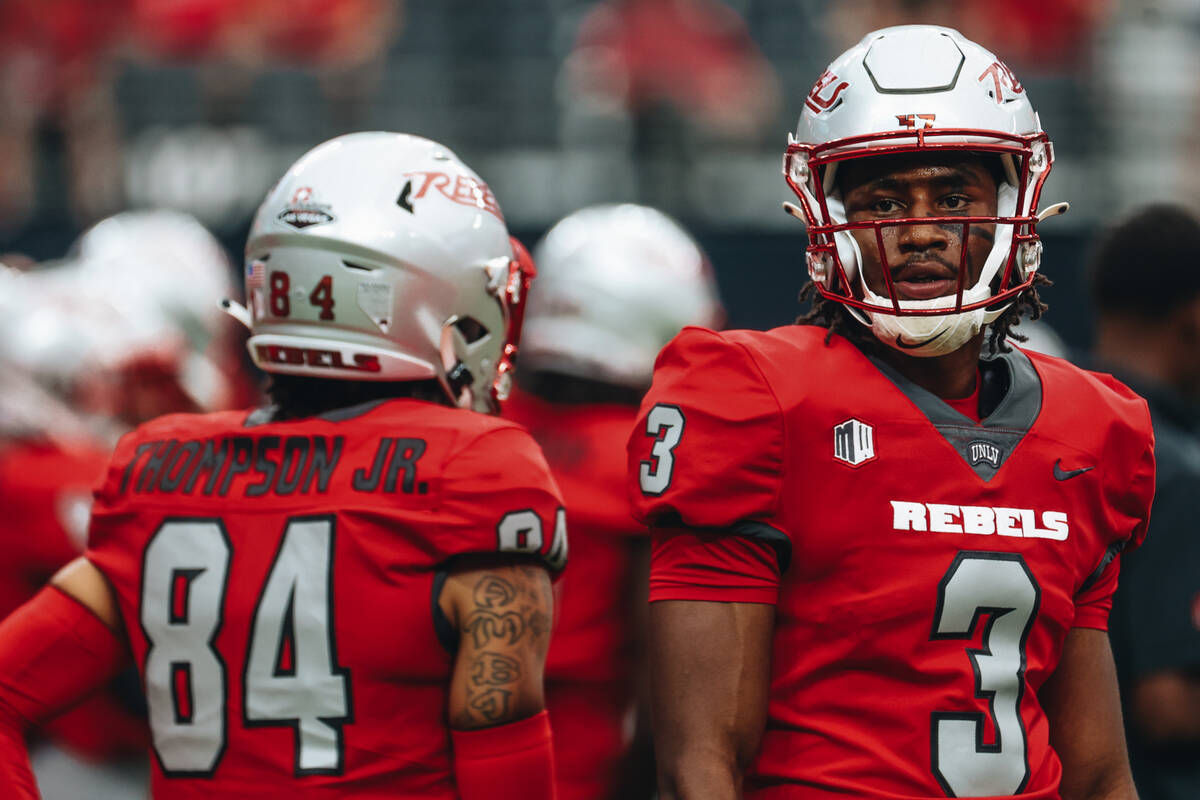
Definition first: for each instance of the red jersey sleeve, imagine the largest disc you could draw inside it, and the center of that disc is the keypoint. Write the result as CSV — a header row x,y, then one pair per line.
x,y
691,565
104,547
707,450
498,495
1132,502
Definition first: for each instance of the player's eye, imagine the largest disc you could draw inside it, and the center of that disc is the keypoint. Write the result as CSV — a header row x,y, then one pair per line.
x,y
956,202
885,205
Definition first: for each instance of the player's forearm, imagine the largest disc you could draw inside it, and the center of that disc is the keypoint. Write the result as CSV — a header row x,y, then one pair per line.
x,y
699,774
1114,787
1165,707
503,614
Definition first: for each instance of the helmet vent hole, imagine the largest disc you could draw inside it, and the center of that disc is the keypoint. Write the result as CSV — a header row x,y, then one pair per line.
x,y
471,329
360,267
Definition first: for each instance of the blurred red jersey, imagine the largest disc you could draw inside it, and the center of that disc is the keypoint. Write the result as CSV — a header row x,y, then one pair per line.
x,y
279,583
46,496
588,681
936,564
46,493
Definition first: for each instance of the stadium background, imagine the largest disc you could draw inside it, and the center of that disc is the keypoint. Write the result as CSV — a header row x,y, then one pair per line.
x,y
685,104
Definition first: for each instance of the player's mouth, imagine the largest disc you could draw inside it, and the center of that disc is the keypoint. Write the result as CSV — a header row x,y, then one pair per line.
x,y
924,280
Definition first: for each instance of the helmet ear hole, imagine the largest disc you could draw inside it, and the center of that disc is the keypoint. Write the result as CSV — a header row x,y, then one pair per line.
x,y
472,330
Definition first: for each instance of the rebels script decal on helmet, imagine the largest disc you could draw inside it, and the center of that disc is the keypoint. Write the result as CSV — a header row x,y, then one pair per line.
x,y
1003,79
830,100
979,520
854,442
461,189
303,210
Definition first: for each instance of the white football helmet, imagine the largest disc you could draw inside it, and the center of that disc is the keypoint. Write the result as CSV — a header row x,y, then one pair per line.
x,y
916,89
32,364
164,275
382,257
615,284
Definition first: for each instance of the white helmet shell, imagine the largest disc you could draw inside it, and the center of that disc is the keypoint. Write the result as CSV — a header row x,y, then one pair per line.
x,y
382,257
914,89
615,284
163,275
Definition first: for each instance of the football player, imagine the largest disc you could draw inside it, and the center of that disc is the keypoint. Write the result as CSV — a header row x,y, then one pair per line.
x,y
615,283
50,460
885,542
345,593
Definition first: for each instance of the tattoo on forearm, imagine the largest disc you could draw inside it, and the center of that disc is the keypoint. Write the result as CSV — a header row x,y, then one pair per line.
x,y
484,626
539,624
509,612
494,669
494,591
491,704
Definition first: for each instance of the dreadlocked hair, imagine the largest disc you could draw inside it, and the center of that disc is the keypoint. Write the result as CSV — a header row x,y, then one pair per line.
x,y
835,317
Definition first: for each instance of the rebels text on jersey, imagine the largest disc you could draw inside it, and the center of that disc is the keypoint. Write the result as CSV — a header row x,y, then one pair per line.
x,y
278,582
938,563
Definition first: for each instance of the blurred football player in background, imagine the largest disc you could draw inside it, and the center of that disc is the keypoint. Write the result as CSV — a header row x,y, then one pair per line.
x,y
50,460
615,284
1148,334
128,326
955,507
124,329
322,594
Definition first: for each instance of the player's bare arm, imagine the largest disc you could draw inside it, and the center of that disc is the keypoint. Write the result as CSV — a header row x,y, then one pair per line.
x,y
720,652
81,580
1166,707
502,610
1082,705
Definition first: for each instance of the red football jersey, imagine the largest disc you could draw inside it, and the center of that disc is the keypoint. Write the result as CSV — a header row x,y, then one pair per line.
x,y
936,564
46,496
46,493
588,680
278,581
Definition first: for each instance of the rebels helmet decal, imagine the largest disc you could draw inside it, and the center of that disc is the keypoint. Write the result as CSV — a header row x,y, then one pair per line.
x,y
828,101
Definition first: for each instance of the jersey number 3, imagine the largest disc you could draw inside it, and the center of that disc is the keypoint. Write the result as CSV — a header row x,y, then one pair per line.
x,y
291,677
1000,588
664,424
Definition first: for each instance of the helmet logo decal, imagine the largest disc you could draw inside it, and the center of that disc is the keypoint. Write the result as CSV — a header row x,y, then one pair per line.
x,y
403,200
818,103
910,120
375,300
317,357
854,442
462,189
1002,78
303,210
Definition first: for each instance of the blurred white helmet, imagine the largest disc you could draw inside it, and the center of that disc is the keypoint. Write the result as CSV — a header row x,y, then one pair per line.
x,y
164,275
382,257
615,284
919,89
50,339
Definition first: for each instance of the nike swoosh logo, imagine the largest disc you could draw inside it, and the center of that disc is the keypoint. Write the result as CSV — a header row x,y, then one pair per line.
x,y
900,342
1061,474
